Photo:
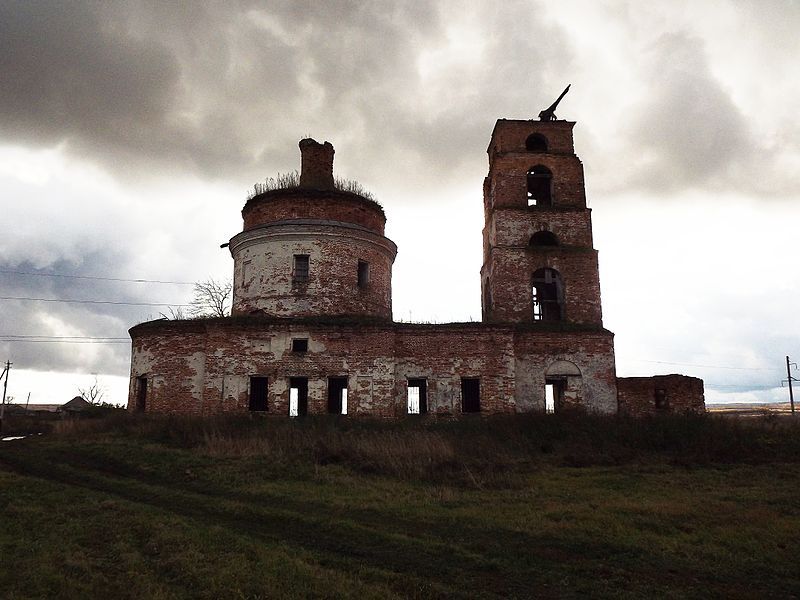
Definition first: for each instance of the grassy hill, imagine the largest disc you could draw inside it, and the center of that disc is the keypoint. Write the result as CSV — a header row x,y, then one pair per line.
x,y
534,506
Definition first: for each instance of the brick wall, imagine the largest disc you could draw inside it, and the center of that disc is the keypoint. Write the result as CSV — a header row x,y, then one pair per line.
x,y
509,187
204,367
510,273
509,135
264,280
515,226
330,205
316,164
641,396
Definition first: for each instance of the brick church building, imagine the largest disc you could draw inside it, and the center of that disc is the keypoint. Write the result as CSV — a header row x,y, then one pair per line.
x,y
311,328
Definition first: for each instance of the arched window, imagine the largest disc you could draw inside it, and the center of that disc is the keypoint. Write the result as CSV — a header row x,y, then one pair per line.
x,y
536,142
540,187
544,238
547,295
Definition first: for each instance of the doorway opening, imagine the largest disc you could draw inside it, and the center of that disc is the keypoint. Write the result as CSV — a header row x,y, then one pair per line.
x,y
258,394
553,395
141,394
337,395
417,396
470,395
298,396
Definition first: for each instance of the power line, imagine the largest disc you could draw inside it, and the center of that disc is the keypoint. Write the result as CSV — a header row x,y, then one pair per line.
x,y
68,341
93,301
10,272
61,337
661,362
745,385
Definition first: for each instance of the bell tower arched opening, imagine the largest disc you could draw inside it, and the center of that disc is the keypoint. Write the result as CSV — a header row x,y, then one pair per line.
x,y
540,187
547,295
543,238
536,142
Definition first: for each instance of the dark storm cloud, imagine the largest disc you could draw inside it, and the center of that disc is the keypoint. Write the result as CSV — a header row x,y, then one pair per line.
x,y
228,88
91,75
67,76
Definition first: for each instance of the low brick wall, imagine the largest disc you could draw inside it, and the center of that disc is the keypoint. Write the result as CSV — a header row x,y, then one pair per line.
x,y
642,396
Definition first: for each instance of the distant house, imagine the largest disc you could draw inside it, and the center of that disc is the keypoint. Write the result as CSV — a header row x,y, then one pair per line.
x,y
73,408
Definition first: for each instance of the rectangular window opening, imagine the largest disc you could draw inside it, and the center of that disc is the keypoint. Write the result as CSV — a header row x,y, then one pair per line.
x,y
258,394
337,395
300,268
300,345
141,394
246,270
298,396
470,395
363,273
417,396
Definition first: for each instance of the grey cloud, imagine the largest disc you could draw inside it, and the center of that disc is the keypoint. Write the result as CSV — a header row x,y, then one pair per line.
x,y
85,74
65,75
226,89
29,317
687,129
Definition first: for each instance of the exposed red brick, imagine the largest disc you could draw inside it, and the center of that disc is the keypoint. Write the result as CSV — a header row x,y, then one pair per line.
x,y
205,366
675,394
330,205
316,165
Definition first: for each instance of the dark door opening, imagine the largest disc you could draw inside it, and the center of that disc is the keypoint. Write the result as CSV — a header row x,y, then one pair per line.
x,y
258,394
298,396
553,394
337,395
470,395
417,396
141,394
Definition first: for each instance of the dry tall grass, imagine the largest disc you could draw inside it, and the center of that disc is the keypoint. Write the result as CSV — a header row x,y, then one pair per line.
x,y
476,451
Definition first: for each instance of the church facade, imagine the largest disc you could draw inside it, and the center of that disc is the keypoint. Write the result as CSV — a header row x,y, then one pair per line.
x,y
311,328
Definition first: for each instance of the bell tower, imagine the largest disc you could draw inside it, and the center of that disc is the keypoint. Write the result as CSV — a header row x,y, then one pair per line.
x,y
539,263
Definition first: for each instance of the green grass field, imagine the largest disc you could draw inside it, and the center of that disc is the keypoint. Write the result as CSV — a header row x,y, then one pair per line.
x,y
544,506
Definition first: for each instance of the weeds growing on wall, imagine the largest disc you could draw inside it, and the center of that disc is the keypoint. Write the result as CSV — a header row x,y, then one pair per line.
x,y
286,181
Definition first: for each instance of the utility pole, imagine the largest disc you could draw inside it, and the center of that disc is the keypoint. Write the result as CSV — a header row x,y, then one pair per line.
x,y
789,379
6,371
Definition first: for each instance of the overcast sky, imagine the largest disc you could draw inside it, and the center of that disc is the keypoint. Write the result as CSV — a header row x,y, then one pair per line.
x,y
130,133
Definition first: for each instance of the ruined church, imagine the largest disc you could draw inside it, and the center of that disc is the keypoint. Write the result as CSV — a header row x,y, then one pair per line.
x,y
311,329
